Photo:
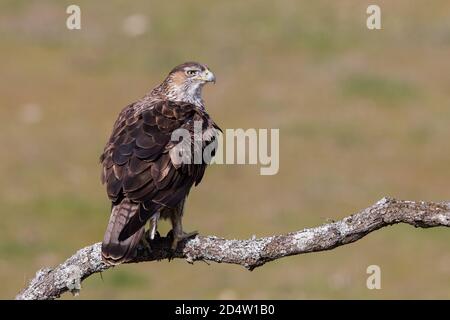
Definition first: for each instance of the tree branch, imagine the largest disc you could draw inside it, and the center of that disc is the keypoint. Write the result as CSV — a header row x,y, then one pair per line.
x,y
251,253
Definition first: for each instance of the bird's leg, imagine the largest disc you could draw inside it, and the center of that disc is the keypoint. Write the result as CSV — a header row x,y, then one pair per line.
x,y
151,233
177,232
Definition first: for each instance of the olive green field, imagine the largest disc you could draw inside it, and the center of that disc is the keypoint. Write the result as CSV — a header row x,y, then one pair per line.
x,y
362,114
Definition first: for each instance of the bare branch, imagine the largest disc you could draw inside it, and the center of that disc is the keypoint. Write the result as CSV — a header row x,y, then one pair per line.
x,y
251,253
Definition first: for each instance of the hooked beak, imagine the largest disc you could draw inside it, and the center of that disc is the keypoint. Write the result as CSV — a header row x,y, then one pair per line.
x,y
208,76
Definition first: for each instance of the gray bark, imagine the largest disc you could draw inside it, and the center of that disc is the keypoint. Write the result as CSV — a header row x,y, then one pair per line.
x,y
250,253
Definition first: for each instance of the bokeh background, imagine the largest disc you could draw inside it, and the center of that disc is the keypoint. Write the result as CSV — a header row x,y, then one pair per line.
x,y
362,114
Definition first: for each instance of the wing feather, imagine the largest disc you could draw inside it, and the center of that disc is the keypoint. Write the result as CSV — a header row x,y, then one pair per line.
x,y
137,163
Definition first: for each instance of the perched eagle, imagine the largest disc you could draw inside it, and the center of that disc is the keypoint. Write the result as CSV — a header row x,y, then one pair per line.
x,y
142,179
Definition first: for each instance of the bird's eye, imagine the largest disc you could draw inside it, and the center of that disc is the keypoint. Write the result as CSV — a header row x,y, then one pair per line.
x,y
192,72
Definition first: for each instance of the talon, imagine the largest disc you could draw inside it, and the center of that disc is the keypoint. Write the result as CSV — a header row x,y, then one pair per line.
x,y
147,239
183,236
177,238
192,234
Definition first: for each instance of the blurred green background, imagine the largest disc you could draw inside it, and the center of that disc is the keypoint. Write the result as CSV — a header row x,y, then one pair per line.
x,y
362,114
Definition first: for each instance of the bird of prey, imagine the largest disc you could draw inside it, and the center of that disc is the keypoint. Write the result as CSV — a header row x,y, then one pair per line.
x,y
143,181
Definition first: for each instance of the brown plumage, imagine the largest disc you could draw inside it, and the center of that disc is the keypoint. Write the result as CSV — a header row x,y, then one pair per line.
x,y
141,178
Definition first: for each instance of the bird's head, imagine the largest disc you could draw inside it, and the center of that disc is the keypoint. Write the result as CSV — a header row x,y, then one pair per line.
x,y
185,82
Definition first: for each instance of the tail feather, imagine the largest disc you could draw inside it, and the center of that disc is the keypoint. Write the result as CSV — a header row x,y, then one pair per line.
x,y
115,250
137,221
